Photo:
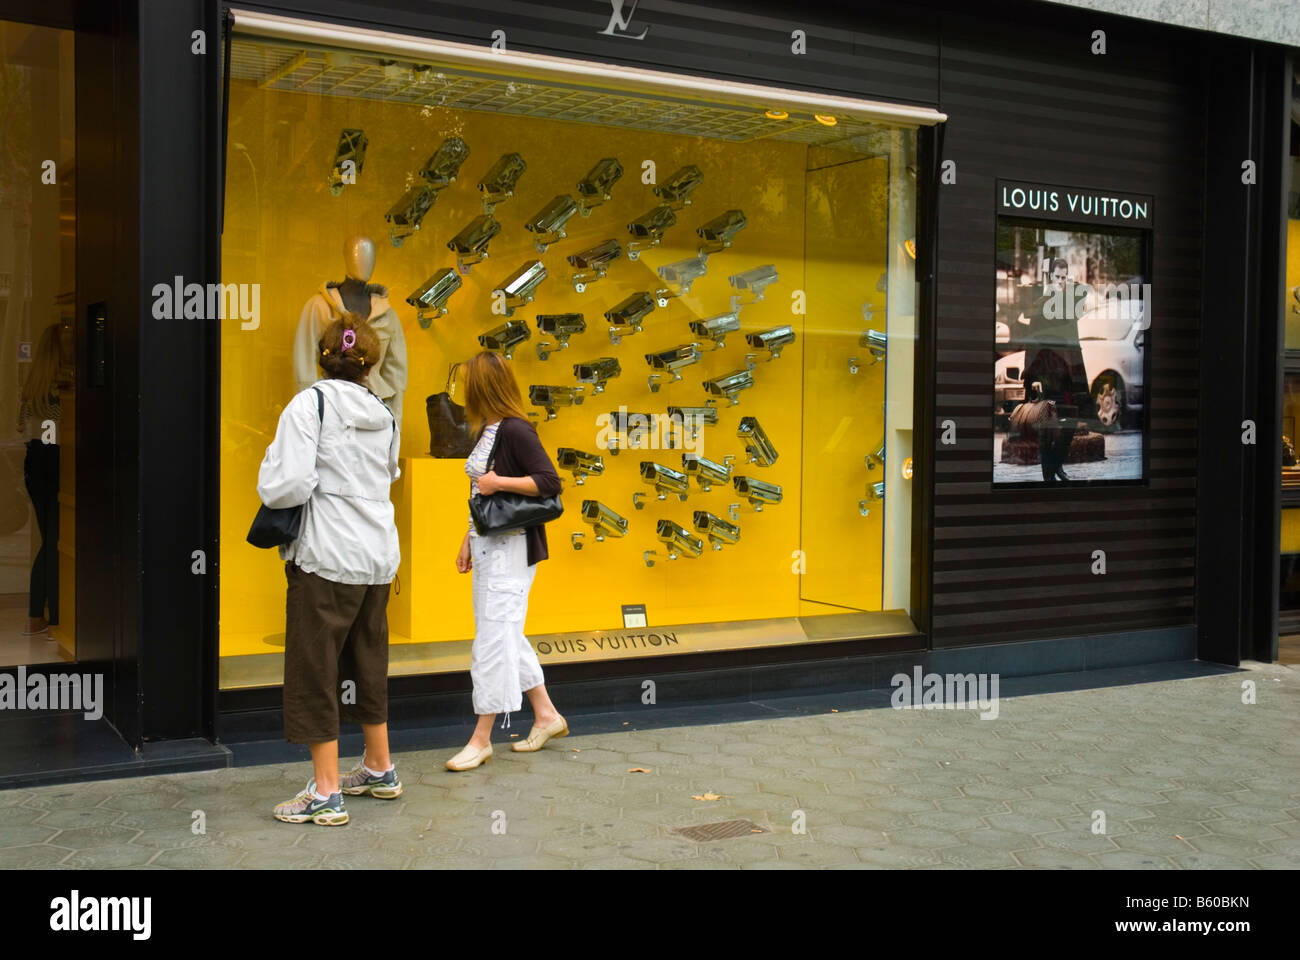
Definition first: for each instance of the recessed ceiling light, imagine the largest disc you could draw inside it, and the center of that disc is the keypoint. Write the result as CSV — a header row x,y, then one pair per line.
x,y
775,114
907,469
825,119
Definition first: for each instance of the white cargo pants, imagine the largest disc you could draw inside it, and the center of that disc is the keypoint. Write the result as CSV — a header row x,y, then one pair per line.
x,y
503,663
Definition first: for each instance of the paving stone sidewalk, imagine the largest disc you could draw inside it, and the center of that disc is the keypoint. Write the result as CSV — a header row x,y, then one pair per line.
x,y
1186,775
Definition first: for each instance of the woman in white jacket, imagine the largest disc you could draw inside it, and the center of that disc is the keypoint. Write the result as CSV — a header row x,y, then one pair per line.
x,y
335,452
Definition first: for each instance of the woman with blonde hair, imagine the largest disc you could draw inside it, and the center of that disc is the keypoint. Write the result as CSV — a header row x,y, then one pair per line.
x,y
507,456
39,412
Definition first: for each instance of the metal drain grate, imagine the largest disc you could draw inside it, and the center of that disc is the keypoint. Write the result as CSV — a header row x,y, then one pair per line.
x,y
722,830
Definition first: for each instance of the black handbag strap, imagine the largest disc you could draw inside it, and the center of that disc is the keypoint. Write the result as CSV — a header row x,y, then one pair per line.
x,y
450,387
496,438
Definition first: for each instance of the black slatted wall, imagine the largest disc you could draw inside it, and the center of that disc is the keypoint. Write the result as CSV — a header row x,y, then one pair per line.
x,y
1031,102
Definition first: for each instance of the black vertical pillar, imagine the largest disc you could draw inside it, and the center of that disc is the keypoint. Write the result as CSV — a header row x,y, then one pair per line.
x,y
178,172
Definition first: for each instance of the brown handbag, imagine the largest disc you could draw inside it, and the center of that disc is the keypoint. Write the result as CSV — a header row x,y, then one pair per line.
x,y
448,431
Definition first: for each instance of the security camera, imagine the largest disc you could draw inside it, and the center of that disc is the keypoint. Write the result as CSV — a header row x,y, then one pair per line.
x,y
679,540
580,464
718,531
717,234
648,229
677,189
877,343
672,361
597,372
505,338
442,168
552,398
875,494
758,447
406,214
681,275
548,223
706,472
519,287
430,298
626,317
632,426
561,326
351,148
593,189
877,457
604,521
716,328
665,480
730,385
757,492
499,182
772,340
692,418
471,244
756,281
593,262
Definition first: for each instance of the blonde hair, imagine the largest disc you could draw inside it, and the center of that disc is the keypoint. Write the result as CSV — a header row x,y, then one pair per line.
x,y
41,390
491,391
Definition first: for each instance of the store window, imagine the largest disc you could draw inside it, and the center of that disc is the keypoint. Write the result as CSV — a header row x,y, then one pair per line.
x,y
1289,594
37,303
708,305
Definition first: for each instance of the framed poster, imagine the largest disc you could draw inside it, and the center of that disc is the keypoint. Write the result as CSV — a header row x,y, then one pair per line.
x,y
1071,329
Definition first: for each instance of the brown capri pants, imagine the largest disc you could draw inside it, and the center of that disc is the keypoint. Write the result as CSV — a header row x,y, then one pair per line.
x,y
334,632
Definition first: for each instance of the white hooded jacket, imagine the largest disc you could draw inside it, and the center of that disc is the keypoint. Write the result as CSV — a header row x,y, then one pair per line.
x,y
341,466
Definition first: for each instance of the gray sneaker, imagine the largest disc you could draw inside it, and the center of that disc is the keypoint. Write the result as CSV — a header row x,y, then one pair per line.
x,y
305,807
358,781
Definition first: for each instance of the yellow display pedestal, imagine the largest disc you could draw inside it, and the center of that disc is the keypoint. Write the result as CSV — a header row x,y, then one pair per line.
x,y
431,600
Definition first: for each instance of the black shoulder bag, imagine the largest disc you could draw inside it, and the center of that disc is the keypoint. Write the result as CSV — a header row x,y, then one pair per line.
x,y
503,512
281,525
448,433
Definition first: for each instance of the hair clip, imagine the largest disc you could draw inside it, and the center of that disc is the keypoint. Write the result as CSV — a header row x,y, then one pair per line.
x,y
349,339
325,352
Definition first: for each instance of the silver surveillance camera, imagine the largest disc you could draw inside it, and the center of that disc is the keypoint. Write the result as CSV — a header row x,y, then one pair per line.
x,y
561,326
730,385
604,521
406,214
548,223
677,189
718,531
597,373
681,275
551,397
716,328
718,233
442,168
593,189
579,463
648,229
505,338
756,281
672,361
692,418
499,182
877,343
877,457
430,298
679,540
351,149
665,480
471,244
772,340
757,492
519,287
626,317
593,262
706,472
632,426
758,448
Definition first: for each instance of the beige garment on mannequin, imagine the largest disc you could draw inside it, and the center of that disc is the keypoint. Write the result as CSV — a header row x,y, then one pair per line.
x,y
388,378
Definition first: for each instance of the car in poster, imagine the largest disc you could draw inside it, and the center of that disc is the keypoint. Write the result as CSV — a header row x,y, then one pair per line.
x,y
1112,338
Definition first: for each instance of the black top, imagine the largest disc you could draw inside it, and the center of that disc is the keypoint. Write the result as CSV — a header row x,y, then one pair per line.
x,y
520,453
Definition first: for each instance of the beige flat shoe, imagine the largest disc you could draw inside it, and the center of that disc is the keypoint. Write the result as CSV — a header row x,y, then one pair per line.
x,y
469,758
538,736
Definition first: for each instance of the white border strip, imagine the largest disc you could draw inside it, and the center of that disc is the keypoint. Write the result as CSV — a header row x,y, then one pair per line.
x,y
561,68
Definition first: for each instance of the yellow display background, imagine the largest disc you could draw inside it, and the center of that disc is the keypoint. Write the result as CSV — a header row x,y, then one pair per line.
x,y
285,231
1292,280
